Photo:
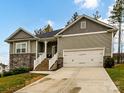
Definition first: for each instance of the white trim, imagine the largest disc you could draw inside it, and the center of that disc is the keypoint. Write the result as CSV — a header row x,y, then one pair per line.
x,y
29,46
112,45
39,60
97,48
47,39
53,50
13,45
19,29
85,49
21,43
83,25
84,34
21,39
36,49
90,18
45,42
53,60
68,26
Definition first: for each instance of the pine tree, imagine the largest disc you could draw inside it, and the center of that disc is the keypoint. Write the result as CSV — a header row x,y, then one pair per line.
x,y
116,13
96,15
74,17
116,18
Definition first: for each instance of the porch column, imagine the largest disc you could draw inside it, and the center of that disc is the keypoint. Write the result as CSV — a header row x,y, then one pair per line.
x,y
112,45
36,49
45,42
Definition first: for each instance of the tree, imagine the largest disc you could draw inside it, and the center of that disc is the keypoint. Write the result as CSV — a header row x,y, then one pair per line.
x,y
40,31
48,28
116,18
74,17
96,15
116,13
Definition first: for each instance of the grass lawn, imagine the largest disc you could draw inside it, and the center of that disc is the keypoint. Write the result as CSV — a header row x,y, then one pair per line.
x,y
117,75
15,82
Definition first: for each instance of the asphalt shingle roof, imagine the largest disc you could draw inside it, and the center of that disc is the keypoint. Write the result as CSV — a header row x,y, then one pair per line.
x,y
49,34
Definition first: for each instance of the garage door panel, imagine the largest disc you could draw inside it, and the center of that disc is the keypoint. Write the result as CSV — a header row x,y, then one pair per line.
x,y
83,58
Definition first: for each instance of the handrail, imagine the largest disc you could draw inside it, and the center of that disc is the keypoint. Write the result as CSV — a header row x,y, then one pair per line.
x,y
39,60
53,60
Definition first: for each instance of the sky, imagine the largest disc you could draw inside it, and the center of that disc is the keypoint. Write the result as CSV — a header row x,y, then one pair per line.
x,y
35,14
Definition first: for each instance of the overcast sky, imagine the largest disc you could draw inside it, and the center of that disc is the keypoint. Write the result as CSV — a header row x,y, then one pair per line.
x,y
34,14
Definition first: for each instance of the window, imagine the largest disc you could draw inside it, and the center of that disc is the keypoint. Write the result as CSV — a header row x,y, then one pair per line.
x,y
83,25
21,47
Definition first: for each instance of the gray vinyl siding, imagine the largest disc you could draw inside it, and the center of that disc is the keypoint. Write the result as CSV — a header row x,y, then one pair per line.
x,y
90,27
21,35
11,48
86,41
31,45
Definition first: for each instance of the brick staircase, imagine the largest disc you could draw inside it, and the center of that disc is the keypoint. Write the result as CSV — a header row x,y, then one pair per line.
x,y
43,66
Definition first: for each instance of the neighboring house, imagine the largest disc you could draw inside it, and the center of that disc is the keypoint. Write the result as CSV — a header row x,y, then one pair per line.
x,y
84,42
3,68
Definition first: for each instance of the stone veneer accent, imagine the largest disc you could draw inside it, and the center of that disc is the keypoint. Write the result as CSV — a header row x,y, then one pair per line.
x,y
22,60
60,62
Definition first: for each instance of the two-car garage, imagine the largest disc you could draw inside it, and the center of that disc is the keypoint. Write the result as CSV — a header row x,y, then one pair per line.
x,y
83,57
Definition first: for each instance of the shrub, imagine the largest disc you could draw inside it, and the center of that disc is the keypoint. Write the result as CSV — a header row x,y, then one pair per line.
x,y
109,62
20,70
9,73
16,71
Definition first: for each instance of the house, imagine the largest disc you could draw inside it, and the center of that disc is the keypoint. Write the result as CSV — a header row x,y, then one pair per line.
x,y
84,42
3,68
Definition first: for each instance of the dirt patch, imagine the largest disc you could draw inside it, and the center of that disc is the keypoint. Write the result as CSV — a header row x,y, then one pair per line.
x,y
46,79
75,90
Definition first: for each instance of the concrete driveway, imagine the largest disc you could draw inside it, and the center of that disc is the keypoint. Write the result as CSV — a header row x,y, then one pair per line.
x,y
73,80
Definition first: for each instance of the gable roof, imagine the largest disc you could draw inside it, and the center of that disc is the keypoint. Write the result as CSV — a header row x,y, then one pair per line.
x,y
17,31
49,34
90,18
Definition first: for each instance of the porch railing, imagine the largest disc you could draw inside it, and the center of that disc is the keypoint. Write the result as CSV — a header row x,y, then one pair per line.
x,y
53,60
40,53
39,60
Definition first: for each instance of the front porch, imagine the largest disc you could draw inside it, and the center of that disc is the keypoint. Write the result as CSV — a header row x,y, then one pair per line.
x,y
46,54
47,47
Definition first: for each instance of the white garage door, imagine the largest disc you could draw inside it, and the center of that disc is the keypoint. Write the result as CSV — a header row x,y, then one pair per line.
x,y
83,58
